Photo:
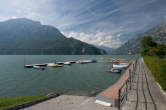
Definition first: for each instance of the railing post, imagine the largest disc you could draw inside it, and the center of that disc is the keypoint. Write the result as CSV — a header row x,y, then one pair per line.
x,y
133,72
119,100
126,89
133,66
130,77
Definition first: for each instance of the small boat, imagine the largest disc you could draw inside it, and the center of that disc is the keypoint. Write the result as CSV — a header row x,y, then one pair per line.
x,y
38,67
51,64
40,64
124,63
72,62
67,63
83,61
79,62
121,65
57,65
114,70
93,60
60,63
54,65
28,66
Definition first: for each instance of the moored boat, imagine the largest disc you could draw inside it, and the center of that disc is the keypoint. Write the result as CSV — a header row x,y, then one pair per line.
x,y
67,63
120,65
51,64
72,61
54,65
83,61
93,60
38,67
28,66
60,63
114,70
40,64
57,65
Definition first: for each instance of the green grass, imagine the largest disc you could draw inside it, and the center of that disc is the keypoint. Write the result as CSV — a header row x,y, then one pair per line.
x,y
6,102
158,69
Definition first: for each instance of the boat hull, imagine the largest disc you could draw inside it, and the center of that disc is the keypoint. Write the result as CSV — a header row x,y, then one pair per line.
x,y
28,66
120,65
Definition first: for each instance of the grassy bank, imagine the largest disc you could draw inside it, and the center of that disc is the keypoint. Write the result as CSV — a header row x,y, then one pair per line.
x,y
13,101
158,69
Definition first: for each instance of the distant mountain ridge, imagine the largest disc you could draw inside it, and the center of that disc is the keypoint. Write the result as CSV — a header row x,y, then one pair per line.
x,y
25,36
107,49
133,45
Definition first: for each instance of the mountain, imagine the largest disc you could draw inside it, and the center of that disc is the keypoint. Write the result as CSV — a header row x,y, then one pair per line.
x,y
133,45
107,49
24,36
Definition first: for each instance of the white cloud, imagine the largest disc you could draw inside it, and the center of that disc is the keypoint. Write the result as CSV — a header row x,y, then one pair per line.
x,y
99,38
106,21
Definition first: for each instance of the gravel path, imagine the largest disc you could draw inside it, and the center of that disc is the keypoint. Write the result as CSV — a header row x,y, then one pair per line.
x,y
145,93
69,102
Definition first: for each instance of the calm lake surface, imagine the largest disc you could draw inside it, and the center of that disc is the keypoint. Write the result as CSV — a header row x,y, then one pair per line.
x,y
78,79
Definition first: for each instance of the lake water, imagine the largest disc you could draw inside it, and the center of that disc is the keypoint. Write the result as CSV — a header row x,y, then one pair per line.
x,y
78,79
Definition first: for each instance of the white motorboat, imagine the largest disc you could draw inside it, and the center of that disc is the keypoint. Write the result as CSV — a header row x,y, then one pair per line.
x,y
28,66
120,65
67,63
83,61
40,64
51,64
114,70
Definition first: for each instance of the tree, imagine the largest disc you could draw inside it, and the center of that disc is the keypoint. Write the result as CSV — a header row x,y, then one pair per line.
x,y
147,42
151,48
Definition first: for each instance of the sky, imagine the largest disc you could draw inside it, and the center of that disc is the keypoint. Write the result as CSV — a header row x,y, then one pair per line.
x,y
99,22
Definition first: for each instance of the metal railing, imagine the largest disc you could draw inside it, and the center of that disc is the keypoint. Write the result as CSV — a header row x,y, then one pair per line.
x,y
123,90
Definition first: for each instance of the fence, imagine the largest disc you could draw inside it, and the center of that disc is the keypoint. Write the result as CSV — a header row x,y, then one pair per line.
x,y
123,90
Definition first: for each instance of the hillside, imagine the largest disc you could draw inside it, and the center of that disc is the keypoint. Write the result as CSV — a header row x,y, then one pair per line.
x,y
24,36
158,34
107,49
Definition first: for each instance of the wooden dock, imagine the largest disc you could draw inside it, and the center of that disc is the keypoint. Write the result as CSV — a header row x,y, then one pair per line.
x,y
110,96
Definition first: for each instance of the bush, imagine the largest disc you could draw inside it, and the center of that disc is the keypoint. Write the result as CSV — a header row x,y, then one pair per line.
x,y
151,48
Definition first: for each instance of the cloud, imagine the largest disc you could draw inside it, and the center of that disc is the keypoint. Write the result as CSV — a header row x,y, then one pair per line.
x,y
99,22
99,38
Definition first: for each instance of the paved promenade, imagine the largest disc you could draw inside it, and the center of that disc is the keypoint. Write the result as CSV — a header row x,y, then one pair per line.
x,y
69,102
145,93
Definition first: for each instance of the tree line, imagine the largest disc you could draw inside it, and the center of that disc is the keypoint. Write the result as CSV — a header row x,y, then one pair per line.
x,y
152,48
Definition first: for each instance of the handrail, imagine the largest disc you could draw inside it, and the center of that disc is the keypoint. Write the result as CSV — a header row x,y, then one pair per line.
x,y
123,90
